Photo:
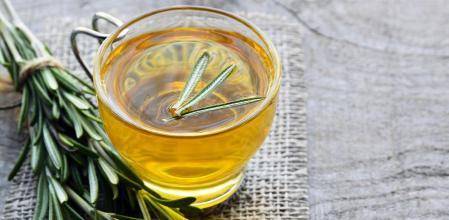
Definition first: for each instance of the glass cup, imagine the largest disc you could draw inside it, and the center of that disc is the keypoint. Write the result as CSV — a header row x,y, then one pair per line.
x,y
207,165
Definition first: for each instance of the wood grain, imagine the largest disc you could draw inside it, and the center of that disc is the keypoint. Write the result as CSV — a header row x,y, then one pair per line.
x,y
377,77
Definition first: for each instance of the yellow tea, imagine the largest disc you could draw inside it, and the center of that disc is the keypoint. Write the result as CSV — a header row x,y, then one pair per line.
x,y
201,155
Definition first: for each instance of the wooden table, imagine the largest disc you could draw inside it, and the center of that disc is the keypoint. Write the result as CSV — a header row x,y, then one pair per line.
x,y
377,74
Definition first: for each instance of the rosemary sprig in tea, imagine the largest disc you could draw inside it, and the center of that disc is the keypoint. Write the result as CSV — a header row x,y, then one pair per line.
x,y
79,174
216,107
195,77
182,105
208,89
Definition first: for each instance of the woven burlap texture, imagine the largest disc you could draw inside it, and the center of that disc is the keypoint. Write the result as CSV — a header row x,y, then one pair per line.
x,y
275,185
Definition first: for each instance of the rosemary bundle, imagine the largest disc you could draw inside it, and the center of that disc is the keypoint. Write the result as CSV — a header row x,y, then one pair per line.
x,y
79,173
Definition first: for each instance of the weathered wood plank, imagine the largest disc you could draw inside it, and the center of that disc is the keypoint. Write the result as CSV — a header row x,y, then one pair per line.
x,y
377,77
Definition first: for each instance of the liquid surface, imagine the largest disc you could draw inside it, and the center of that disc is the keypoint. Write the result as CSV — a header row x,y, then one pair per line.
x,y
145,75
149,72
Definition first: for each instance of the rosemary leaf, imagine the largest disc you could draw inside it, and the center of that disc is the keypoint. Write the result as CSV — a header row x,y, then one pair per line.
x,y
57,187
49,79
2,57
76,101
40,211
194,78
40,90
208,89
76,178
72,213
216,107
67,82
23,155
88,127
24,108
55,111
115,191
122,217
101,152
154,210
84,83
128,181
93,181
79,200
72,113
91,116
33,108
73,143
108,171
38,128
143,206
124,169
50,166
55,155
65,169
89,91
102,133
15,74
163,211
36,157
191,211
51,213
61,102
54,202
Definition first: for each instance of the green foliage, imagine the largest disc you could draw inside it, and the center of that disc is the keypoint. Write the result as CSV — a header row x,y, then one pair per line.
x,y
67,143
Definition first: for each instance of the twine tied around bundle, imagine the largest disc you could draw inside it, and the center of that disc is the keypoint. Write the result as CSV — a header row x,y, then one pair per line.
x,y
36,64
25,73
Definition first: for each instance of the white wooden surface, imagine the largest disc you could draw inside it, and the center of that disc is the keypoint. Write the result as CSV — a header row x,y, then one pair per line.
x,y
377,75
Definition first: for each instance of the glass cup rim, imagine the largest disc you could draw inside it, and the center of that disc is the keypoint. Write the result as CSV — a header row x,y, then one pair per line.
x,y
272,52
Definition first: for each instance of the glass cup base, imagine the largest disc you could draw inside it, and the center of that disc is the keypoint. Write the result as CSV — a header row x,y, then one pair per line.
x,y
206,197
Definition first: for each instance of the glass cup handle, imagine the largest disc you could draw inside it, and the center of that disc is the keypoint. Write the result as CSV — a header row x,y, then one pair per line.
x,y
95,33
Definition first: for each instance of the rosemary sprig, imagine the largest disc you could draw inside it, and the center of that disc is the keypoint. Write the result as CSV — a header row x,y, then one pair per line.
x,y
216,107
180,109
195,77
79,173
208,89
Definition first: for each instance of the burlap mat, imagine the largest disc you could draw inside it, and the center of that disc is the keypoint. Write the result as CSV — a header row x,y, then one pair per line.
x,y
276,178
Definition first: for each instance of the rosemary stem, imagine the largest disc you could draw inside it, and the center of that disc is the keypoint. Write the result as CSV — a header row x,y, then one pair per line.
x,y
80,201
194,78
207,90
19,23
6,35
